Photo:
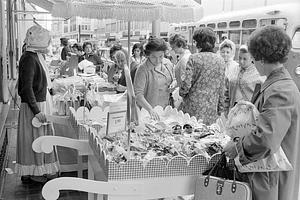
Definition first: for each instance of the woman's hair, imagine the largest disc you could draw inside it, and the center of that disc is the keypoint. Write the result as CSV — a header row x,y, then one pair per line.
x,y
138,46
120,58
85,44
77,46
114,48
205,39
178,40
64,41
270,44
156,44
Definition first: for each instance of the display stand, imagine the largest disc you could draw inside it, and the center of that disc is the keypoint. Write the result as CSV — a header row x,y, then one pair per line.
x,y
140,189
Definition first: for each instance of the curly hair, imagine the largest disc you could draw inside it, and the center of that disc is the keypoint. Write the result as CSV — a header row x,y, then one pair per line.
x,y
178,40
205,39
138,46
114,48
270,44
85,44
77,46
156,44
120,57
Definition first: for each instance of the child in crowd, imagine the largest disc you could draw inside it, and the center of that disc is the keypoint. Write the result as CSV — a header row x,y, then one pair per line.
x,y
242,83
227,51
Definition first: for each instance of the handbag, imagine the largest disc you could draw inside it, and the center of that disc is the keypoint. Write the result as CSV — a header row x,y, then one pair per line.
x,y
214,188
171,100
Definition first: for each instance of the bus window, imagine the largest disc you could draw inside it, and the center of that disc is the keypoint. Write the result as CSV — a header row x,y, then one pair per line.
x,y
245,35
183,28
222,25
249,23
234,36
212,25
282,22
177,29
296,39
221,36
234,24
202,25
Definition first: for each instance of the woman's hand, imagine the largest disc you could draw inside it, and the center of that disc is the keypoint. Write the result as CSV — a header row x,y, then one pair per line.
x,y
154,115
230,150
173,86
41,117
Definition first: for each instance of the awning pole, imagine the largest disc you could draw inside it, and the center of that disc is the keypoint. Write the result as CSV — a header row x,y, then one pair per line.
x,y
3,58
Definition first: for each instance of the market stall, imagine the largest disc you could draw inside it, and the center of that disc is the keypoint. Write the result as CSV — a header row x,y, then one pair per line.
x,y
72,90
157,152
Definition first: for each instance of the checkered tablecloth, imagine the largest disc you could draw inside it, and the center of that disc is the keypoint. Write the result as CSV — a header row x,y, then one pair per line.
x,y
157,167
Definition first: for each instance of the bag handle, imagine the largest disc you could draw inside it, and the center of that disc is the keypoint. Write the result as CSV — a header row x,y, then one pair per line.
x,y
220,184
206,180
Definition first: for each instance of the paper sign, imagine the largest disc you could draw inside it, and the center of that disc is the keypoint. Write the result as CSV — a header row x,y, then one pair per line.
x,y
116,117
116,122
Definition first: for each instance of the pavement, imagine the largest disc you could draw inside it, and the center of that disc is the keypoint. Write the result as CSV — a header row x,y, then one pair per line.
x,y
11,186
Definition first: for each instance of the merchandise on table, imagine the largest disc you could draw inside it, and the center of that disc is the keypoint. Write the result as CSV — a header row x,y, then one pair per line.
x,y
155,144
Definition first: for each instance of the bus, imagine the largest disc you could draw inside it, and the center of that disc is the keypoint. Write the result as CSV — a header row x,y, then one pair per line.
x,y
238,25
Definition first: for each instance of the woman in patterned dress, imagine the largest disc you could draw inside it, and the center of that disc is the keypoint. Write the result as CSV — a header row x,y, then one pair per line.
x,y
202,87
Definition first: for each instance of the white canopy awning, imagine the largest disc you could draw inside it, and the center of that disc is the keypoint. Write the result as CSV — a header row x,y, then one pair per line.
x,y
129,10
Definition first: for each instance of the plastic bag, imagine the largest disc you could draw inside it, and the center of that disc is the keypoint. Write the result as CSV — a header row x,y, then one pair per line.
x,y
242,121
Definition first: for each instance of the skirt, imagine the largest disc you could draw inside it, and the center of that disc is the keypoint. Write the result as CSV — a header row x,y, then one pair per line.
x,y
29,162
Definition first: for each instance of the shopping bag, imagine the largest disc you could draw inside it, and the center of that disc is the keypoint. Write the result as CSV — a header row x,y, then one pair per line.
x,y
242,121
215,188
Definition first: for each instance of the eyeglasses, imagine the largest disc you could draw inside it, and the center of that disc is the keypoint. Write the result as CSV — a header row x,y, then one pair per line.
x,y
177,129
188,128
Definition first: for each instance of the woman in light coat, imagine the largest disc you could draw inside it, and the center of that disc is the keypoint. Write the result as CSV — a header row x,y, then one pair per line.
x,y
278,123
154,79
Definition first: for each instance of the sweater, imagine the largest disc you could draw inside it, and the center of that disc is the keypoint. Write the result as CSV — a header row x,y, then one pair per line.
x,y
32,86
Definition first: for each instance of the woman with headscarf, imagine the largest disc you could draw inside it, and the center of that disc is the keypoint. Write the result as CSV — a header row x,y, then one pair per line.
x,y
227,51
34,82
202,87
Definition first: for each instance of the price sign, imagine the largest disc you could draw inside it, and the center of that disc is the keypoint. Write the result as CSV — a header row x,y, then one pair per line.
x,y
116,118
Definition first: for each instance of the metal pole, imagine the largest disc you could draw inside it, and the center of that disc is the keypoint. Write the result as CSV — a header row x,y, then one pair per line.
x,y
129,98
3,58
128,43
79,32
11,40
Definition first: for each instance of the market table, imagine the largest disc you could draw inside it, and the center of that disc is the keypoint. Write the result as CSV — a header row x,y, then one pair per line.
x,y
154,186
134,178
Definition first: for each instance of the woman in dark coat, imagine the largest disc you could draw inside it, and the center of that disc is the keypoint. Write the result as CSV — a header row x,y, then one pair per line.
x,y
33,87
